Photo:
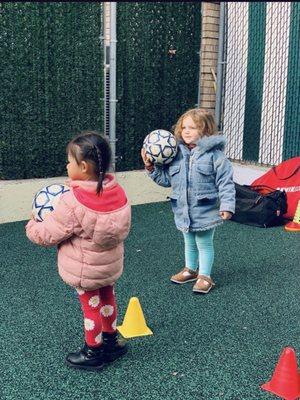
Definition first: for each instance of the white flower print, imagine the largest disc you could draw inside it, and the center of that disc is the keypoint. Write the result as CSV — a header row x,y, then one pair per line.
x,y
94,301
89,324
114,325
107,310
98,338
80,291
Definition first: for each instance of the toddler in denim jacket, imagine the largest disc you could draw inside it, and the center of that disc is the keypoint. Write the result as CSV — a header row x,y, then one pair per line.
x,y
203,192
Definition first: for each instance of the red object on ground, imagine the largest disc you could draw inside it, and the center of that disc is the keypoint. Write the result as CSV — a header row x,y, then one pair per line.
x,y
294,226
285,381
285,176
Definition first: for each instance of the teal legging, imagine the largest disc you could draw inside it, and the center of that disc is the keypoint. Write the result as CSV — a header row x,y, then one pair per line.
x,y
199,250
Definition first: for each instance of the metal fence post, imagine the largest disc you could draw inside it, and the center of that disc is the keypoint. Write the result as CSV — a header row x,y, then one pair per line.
x,y
112,81
218,109
199,79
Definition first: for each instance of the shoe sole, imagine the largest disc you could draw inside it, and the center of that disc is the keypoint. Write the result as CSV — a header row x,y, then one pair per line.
x,y
86,368
110,358
181,283
202,291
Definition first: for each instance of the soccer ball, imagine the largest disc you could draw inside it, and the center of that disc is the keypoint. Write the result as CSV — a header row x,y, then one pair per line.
x,y
161,146
46,200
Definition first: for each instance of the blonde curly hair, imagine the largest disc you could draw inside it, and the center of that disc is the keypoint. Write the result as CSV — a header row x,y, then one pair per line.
x,y
203,119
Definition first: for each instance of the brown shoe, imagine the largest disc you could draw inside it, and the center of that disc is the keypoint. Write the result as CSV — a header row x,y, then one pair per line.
x,y
204,284
184,276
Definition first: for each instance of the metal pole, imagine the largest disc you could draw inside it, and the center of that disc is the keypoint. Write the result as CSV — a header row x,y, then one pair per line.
x,y
218,109
199,80
105,62
112,81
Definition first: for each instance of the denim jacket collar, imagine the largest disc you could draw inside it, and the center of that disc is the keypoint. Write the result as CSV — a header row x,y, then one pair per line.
x,y
206,143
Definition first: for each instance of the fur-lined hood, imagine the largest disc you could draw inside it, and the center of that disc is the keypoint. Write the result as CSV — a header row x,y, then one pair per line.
x,y
207,143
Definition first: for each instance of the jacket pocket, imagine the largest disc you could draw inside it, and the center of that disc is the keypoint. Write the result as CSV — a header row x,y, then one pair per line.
x,y
174,170
173,201
209,198
205,169
205,173
172,196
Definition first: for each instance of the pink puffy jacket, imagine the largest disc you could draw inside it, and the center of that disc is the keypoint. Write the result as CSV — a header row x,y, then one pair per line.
x,y
89,231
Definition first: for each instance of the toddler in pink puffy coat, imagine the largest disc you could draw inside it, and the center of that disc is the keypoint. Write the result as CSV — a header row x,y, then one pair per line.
x,y
89,226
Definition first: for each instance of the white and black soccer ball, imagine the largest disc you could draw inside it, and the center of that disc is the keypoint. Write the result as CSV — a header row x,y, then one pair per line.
x,y
46,200
160,146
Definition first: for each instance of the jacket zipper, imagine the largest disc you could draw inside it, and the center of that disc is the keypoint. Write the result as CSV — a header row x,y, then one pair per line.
x,y
189,180
190,169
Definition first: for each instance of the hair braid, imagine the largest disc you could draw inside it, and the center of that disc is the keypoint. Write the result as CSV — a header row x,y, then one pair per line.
x,y
93,148
100,166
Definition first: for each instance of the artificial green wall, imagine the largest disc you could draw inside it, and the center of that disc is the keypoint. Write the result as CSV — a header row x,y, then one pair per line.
x,y
52,78
51,83
154,86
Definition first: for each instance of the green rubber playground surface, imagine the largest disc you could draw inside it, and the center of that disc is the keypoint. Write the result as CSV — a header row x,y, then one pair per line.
x,y
223,345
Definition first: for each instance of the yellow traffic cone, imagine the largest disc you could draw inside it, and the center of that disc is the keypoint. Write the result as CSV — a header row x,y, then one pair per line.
x,y
294,226
134,323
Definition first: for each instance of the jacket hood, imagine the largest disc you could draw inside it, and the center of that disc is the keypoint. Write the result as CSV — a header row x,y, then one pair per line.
x,y
211,142
104,218
207,143
90,186
110,199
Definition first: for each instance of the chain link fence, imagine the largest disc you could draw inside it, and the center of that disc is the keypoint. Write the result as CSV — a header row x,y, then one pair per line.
x,y
261,115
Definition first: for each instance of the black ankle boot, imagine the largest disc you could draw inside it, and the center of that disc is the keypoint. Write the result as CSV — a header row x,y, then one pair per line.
x,y
113,348
90,358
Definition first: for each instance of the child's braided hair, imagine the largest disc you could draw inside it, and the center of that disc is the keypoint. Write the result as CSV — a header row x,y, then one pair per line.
x,y
93,148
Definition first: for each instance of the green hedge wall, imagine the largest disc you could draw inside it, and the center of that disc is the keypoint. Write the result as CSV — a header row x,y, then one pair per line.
x,y
51,83
153,87
52,78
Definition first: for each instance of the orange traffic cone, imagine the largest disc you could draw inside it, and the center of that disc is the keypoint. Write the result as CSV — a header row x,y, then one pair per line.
x,y
294,226
285,381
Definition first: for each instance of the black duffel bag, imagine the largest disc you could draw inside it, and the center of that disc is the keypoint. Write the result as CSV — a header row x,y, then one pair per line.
x,y
259,206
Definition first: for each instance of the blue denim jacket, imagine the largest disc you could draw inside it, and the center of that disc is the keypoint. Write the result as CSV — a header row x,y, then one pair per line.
x,y
202,184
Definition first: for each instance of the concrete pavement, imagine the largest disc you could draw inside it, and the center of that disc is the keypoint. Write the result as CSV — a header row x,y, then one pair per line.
x,y
16,195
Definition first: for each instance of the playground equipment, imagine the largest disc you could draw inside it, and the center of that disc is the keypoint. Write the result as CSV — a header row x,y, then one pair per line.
x,y
134,323
294,226
285,381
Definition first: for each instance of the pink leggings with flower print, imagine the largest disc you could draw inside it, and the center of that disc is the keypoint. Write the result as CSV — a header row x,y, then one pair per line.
x,y
99,312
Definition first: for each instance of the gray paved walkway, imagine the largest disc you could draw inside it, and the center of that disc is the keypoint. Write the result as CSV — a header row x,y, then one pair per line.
x,y
16,196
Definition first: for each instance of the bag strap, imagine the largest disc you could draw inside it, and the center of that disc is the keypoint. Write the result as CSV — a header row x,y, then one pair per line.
x,y
262,188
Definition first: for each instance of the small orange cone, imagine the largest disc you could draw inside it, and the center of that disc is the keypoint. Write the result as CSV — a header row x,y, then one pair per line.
x,y
134,323
294,226
285,381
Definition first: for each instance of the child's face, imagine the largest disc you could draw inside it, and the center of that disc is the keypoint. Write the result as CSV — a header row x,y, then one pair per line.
x,y
75,171
190,133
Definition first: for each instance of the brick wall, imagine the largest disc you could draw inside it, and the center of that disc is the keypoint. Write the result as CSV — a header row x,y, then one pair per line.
x,y
209,54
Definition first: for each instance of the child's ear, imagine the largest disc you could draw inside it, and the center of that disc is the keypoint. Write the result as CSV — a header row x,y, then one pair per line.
x,y
84,166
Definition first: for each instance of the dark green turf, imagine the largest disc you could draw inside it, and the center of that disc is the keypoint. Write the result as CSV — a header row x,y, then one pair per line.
x,y
217,346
